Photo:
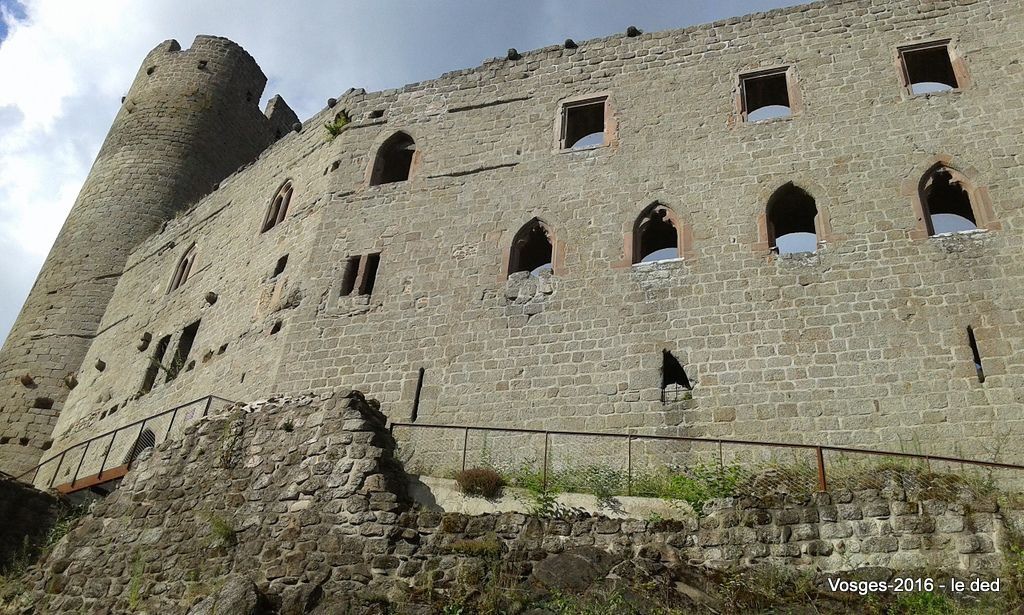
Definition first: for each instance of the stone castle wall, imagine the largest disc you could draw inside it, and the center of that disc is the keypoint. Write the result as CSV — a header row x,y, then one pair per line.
x,y
863,343
304,500
190,118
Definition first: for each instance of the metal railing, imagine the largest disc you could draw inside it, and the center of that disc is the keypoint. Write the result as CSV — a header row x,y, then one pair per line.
x,y
803,467
94,472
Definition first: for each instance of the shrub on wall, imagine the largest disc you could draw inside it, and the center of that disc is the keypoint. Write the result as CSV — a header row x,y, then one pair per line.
x,y
480,481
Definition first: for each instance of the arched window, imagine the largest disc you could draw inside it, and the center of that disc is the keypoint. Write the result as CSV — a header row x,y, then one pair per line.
x,y
184,268
278,208
947,205
531,249
655,235
790,221
394,160
146,439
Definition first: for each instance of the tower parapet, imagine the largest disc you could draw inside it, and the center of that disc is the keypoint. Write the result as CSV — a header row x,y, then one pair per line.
x,y
190,119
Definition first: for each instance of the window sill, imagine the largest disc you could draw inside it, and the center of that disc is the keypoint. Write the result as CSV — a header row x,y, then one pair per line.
x,y
973,233
589,148
771,120
664,261
910,95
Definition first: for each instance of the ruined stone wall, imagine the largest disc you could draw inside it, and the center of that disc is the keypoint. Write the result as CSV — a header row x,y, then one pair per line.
x,y
862,344
189,119
28,515
303,499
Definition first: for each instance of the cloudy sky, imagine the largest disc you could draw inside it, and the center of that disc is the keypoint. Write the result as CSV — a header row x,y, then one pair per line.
x,y
64,65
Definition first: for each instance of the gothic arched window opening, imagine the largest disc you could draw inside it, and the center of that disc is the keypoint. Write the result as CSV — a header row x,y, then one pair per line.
x,y
655,235
278,208
184,268
947,205
531,249
394,160
791,214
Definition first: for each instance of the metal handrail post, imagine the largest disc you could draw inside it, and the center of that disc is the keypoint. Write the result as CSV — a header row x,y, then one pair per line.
x,y
465,447
53,477
629,464
106,453
81,460
822,484
544,470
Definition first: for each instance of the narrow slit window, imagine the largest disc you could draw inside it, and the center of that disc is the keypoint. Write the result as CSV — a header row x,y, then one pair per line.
x,y
928,69
369,274
766,95
155,363
416,400
977,354
188,337
393,162
531,250
947,205
583,124
278,209
675,384
791,217
184,268
348,280
279,268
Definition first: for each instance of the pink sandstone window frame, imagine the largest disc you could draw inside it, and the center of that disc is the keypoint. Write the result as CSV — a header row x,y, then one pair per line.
x,y
610,123
796,100
684,235
963,78
822,223
557,250
981,203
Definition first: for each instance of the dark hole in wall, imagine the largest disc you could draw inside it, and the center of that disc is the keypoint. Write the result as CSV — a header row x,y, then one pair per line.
x,y
369,274
929,69
348,279
766,96
977,354
531,249
153,369
584,124
394,160
376,114
280,266
5,439
419,391
674,382
276,328
223,348
23,441
188,337
46,445
43,403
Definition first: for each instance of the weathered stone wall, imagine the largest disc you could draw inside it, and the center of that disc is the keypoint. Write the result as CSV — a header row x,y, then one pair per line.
x,y
864,343
27,516
189,119
302,497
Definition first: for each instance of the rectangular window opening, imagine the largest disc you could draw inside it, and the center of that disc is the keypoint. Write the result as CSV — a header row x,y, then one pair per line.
x,y
977,354
348,280
766,95
583,124
188,337
281,264
928,68
155,362
369,274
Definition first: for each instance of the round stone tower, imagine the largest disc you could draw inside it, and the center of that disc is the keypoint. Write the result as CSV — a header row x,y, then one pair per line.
x,y
190,118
